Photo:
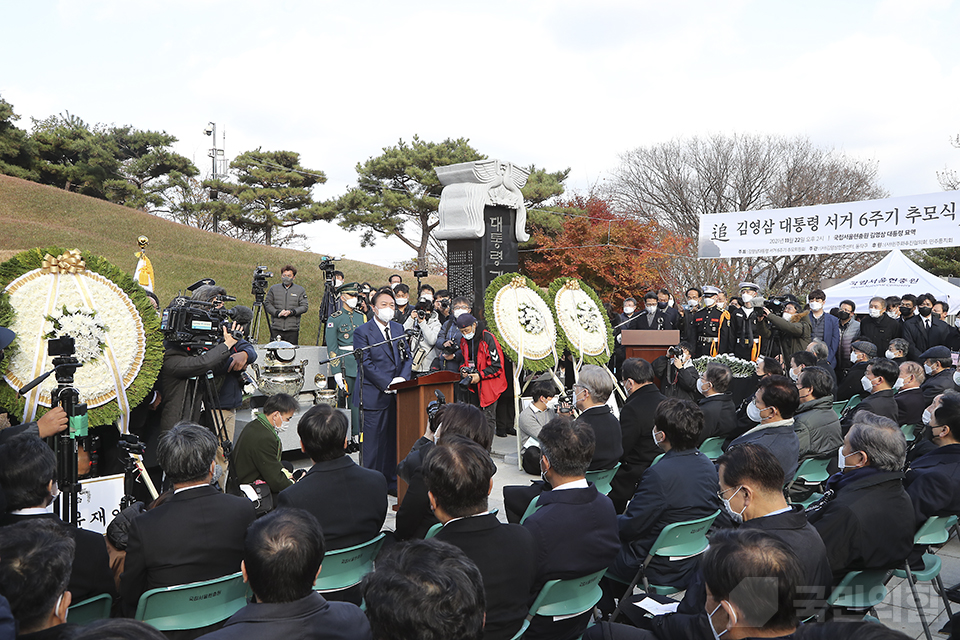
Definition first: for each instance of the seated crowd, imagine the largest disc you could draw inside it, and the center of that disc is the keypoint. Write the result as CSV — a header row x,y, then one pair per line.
x,y
455,568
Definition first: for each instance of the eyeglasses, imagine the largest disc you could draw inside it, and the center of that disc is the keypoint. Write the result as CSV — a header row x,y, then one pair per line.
x,y
734,489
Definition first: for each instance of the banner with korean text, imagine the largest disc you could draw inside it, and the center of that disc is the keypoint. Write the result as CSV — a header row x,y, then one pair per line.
x,y
909,222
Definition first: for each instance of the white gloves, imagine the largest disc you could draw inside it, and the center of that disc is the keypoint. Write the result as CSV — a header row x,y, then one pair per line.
x,y
395,381
340,382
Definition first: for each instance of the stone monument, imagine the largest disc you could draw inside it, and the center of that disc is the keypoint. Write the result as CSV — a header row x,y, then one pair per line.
x,y
483,220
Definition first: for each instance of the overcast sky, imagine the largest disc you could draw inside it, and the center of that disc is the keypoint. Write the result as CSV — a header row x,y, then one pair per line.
x,y
562,83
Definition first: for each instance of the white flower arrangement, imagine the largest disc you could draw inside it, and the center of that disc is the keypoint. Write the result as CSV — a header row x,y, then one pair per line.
x,y
739,368
80,323
92,309
581,321
530,318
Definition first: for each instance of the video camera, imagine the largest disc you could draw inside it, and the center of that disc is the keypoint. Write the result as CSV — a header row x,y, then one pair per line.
x,y
776,304
328,266
196,324
259,287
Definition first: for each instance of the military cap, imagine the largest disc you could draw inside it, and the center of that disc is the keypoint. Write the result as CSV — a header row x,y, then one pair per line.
x,y
711,291
352,288
749,285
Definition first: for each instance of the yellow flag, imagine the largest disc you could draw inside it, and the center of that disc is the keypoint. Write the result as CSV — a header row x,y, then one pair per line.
x,y
144,272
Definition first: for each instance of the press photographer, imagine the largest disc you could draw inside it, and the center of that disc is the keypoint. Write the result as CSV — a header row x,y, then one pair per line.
x,y
201,336
423,344
481,367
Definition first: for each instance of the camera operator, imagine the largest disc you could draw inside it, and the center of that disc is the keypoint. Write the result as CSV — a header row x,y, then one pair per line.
x,y
181,373
427,320
229,374
793,325
441,303
284,304
480,361
50,423
678,376
364,304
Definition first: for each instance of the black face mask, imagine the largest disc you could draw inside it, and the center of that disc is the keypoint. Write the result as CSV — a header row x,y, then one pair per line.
x,y
662,305
924,311
906,312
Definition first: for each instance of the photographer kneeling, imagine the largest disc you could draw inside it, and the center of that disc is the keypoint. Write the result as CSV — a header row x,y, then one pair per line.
x,y
481,368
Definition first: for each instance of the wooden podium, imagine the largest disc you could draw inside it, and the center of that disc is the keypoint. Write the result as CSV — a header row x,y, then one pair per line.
x,y
413,396
648,344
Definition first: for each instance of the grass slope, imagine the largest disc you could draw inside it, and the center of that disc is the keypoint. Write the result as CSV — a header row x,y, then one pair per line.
x,y
35,215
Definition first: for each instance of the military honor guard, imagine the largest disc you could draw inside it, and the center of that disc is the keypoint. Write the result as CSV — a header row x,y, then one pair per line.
x,y
338,336
711,326
745,326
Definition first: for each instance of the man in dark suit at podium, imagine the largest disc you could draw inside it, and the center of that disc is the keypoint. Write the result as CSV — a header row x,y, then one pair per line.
x,y
652,317
383,365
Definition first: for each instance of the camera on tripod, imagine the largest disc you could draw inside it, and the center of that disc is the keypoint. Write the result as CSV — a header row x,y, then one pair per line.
x,y
259,287
196,324
777,303
328,266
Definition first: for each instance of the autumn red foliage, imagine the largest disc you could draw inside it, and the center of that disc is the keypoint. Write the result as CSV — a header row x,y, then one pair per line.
x,y
618,255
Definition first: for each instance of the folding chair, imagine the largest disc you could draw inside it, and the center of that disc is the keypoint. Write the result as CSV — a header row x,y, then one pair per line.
x,y
811,471
909,432
678,541
532,508
345,568
712,448
95,608
432,531
859,590
602,478
194,605
565,598
838,407
934,531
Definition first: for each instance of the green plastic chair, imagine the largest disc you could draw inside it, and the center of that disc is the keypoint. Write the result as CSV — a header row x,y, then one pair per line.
x,y
432,531
345,568
679,540
657,459
565,598
838,407
532,508
602,478
852,402
935,531
811,471
192,606
95,608
909,432
859,590
712,448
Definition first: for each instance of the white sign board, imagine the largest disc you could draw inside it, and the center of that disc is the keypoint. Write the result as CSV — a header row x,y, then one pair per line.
x,y
909,222
99,502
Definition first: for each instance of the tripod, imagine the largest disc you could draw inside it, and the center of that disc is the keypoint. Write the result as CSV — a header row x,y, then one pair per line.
x,y
328,305
204,384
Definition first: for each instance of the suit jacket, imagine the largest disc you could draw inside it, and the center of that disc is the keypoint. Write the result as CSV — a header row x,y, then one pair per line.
x,y
349,502
868,523
880,403
719,416
575,534
910,405
920,338
606,428
682,486
506,557
933,483
309,618
880,331
91,574
831,335
380,365
937,384
661,320
782,442
197,534
851,386
639,449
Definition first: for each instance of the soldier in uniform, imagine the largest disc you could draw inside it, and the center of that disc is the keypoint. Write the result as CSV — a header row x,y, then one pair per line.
x,y
711,326
338,337
745,327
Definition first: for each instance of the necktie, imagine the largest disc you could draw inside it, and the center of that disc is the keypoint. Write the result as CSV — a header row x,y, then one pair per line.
x,y
390,346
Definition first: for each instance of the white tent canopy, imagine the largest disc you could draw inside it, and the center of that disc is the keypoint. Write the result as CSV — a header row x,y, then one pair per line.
x,y
895,275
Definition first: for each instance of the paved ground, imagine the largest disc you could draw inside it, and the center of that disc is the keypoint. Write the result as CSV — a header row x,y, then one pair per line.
x,y
898,610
